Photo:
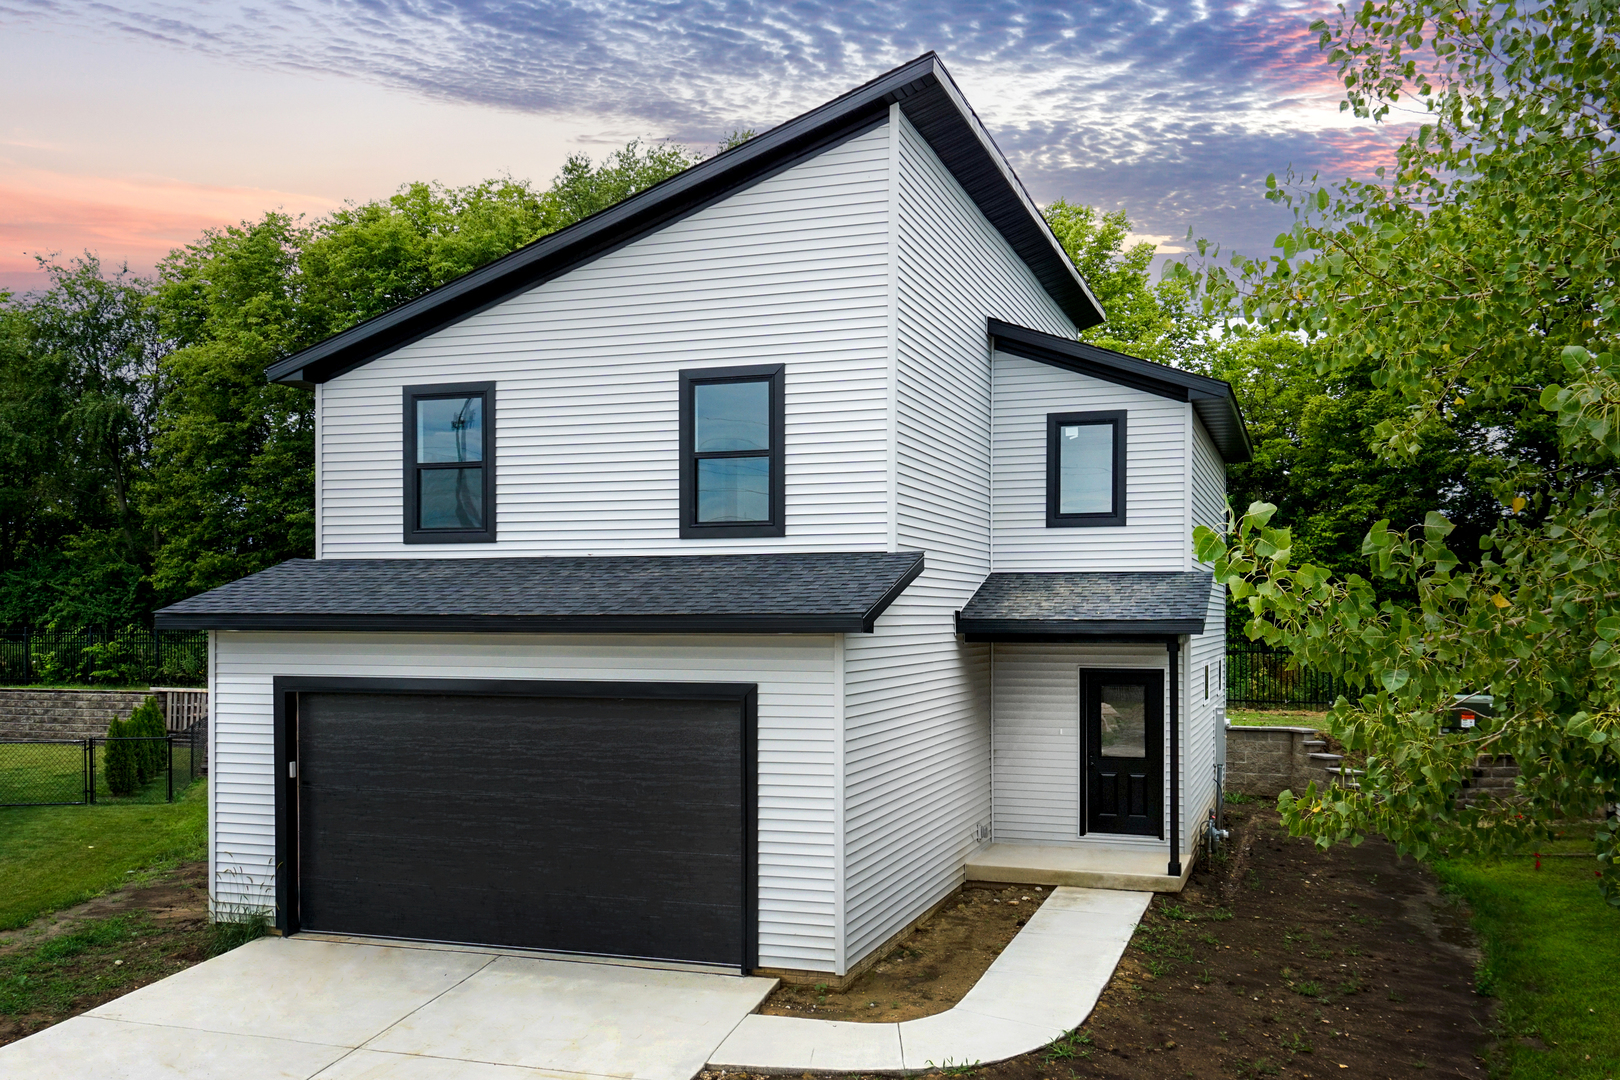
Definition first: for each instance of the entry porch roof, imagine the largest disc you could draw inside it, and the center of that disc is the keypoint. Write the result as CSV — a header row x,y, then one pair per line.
x,y
1087,606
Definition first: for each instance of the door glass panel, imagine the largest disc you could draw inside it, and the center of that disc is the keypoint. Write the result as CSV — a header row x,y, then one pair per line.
x,y
1086,469
1124,720
731,416
450,499
734,489
450,429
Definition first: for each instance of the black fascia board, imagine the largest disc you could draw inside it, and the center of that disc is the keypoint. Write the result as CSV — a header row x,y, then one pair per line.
x,y
925,92
1069,639
456,622
1078,629
1214,400
869,620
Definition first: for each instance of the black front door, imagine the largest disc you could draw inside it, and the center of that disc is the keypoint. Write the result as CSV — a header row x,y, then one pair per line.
x,y
1122,716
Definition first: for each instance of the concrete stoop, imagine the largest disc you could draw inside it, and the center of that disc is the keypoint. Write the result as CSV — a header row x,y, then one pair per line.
x,y
1096,867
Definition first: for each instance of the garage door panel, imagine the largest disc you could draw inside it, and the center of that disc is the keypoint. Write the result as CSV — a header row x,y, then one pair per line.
x,y
612,825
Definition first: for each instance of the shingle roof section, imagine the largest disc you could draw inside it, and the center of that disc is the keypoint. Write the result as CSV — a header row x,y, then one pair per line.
x,y
788,592
1146,602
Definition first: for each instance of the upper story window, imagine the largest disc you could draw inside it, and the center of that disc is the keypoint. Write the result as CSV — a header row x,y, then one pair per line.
x,y
1085,469
731,452
450,464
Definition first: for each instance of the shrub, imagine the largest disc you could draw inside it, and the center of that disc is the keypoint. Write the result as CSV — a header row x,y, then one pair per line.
x,y
146,722
121,762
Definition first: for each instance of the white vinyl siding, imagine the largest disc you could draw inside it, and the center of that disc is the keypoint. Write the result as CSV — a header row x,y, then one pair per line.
x,y
1206,740
797,744
918,739
793,270
1036,710
1155,533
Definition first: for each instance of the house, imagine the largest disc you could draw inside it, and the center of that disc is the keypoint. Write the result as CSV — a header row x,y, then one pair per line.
x,y
724,578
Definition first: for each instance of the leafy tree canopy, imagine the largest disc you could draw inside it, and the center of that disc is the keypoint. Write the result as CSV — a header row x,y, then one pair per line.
x,y
1477,279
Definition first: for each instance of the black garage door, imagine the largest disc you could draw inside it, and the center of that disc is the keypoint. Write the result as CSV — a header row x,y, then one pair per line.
x,y
581,820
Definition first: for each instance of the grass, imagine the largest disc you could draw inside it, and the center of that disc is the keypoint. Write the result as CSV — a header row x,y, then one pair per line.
x,y
52,857
54,772
1275,718
1552,957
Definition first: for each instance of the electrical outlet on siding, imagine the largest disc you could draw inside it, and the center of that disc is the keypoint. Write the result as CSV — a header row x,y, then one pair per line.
x,y
981,832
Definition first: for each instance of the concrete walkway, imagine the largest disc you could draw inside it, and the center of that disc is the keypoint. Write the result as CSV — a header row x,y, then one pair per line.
x,y
1045,982
298,1008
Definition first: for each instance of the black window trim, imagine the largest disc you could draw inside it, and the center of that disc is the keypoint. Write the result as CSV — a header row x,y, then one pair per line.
x,y
1116,517
691,528
413,394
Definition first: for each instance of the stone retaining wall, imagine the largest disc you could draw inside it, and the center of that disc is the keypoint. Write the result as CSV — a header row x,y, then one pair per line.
x,y
1267,760
64,714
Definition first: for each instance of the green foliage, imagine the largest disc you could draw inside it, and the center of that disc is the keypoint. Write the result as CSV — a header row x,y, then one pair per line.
x,y
146,722
143,456
121,764
1478,282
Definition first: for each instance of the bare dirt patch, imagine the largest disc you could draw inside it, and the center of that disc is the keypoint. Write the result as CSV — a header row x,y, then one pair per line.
x,y
70,962
1283,961
929,971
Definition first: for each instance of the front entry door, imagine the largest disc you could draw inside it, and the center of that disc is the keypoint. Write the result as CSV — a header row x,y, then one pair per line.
x,y
1122,716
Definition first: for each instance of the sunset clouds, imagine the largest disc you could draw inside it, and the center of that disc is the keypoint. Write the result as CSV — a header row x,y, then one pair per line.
x,y
1175,111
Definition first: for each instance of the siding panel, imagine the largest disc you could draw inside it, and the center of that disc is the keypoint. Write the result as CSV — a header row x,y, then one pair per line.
x,y
792,270
1155,535
917,745
797,745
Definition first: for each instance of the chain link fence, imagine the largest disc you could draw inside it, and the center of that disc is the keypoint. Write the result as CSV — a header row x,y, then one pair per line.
x,y
79,772
133,656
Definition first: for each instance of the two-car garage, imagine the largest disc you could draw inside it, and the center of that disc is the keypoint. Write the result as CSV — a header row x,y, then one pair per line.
x,y
590,817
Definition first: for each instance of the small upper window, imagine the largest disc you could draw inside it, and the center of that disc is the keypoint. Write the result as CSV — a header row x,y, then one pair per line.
x,y
450,464
731,452
1085,469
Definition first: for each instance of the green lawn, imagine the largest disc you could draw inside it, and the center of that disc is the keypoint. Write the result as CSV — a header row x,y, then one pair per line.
x,y
52,857
54,772
1552,957
1275,718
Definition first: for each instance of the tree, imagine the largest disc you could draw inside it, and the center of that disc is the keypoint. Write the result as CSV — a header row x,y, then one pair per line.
x,y
1478,280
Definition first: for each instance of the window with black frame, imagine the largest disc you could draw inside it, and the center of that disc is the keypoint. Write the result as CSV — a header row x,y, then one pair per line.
x,y
450,463
1085,469
731,452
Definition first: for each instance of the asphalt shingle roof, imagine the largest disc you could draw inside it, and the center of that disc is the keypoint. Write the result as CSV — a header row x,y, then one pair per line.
x,y
787,592
1145,602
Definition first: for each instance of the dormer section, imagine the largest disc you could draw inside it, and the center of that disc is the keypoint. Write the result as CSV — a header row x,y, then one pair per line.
x,y
1102,461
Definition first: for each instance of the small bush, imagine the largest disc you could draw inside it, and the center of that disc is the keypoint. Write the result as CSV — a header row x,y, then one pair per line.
x,y
121,763
146,722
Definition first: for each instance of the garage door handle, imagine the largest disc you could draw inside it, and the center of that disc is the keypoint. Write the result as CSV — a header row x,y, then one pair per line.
x,y
292,770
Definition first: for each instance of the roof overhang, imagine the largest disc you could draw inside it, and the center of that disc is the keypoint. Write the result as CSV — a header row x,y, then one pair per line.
x,y
786,593
925,93
1213,400
1087,607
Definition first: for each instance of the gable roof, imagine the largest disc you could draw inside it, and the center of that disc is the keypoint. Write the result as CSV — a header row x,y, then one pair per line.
x,y
1087,604
777,592
924,91
1213,400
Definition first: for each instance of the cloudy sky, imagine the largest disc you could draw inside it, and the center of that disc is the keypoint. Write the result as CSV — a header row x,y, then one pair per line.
x,y
129,125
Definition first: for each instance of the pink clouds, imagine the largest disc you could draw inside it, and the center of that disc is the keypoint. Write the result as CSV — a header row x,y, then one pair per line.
x,y
122,219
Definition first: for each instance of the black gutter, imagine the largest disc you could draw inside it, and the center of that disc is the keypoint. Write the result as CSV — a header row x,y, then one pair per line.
x,y
1077,629
457,622
1174,648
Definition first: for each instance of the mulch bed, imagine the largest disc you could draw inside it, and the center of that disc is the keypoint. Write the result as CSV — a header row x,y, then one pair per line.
x,y
1280,960
70,962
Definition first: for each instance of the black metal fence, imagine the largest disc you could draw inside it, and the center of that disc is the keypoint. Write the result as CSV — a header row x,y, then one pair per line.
x,y
1261,677
133,656
79,772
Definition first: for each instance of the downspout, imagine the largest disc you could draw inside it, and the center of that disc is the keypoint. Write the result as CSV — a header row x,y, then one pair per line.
x,y
1174,647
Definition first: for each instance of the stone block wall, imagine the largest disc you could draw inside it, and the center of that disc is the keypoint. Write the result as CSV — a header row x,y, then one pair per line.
x,y
1266,760
64,714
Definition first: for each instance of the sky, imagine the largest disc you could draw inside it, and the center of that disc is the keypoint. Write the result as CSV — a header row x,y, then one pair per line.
x,y
131,125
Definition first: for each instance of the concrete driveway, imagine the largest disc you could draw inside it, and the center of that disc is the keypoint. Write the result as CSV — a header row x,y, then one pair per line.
x,y
299,1008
